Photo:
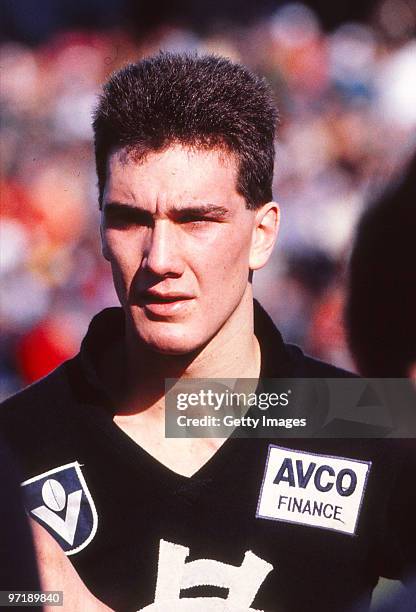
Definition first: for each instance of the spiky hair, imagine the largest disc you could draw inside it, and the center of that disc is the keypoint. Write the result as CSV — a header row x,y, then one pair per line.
x,y
202,102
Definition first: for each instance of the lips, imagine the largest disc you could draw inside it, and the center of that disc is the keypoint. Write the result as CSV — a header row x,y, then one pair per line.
x,y
150,297
164,304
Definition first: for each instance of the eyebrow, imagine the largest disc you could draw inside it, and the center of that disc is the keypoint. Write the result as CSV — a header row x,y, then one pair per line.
x,y
200,209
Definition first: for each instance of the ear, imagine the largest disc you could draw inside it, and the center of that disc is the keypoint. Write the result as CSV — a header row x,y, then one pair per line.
x,y
265,231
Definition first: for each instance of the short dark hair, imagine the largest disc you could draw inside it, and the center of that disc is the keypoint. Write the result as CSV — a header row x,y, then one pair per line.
x,y
381,304
199,101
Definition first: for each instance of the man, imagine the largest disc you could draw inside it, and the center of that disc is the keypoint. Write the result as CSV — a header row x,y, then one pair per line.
x,y
381,305
184,150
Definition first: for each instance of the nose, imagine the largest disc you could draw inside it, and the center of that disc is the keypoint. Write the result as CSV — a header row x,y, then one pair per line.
x,y
162,255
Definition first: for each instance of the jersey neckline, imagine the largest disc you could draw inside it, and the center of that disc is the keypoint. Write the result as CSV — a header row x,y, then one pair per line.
x,y
108,327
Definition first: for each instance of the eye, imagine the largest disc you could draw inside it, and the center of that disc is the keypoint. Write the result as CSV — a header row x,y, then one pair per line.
x,y
198,224
124,218
194,219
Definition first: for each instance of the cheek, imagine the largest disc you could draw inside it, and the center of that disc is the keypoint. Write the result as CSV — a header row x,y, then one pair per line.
x,y
123,247
232,254
225,264
120,282
124,259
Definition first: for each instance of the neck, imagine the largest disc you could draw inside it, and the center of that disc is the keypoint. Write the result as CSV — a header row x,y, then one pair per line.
x,y
233,352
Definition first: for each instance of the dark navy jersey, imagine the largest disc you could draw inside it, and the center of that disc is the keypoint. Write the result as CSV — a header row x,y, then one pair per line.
x,y
18,571
266,524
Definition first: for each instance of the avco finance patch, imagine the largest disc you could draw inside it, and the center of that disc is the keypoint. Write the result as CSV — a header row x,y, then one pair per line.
x,y
311,489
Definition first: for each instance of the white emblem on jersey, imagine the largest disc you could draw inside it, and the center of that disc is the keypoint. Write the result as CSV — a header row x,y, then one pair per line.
x,y
174,574
311,489
60,500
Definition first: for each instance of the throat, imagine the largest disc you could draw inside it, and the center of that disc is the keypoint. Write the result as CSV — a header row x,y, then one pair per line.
x,y
184,456
233,354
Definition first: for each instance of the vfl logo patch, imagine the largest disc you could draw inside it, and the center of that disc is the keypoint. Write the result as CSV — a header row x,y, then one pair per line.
x,y
60,501
310,489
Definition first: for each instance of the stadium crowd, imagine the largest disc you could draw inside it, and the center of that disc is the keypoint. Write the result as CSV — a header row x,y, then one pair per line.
x,y
347,100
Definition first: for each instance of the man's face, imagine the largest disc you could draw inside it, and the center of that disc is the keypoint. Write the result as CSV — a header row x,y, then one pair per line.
x,y
178,237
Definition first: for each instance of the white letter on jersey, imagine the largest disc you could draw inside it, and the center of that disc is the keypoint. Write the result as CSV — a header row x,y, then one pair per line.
x,y
242,582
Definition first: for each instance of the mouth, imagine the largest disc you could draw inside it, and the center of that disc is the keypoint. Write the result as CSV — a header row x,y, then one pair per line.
x,y
164,304
150,297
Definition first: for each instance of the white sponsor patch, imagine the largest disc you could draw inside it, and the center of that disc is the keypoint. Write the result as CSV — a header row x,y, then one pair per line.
x,y
311,489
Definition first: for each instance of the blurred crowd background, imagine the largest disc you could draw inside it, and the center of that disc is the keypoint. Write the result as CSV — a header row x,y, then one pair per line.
x,y
344,78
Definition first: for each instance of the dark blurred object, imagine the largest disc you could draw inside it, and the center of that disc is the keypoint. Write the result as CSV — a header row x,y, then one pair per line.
x,y
381,305
33,21
334,13
200,16
18,570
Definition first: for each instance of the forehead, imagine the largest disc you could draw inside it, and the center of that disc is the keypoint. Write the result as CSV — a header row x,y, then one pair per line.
x,y
176,175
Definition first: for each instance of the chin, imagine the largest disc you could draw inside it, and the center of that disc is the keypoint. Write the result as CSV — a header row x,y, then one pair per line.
x,y
171,344
179,338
